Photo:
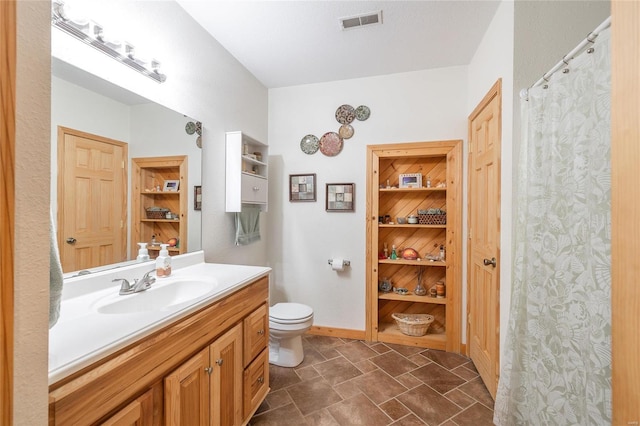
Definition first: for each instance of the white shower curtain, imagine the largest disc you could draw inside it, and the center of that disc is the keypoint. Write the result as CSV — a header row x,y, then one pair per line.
x,y
556,364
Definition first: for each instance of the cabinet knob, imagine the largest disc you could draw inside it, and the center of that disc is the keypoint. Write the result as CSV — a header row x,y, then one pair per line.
x,y
219,361
256,188
261,332
491,262
208,370
261,379
71,240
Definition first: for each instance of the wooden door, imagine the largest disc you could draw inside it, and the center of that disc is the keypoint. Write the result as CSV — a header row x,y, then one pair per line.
x,y
226,378
625,217
186,393
92,200
137,413
483,281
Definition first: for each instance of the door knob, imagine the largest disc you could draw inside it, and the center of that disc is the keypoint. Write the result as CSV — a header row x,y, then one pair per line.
x,y
71,240
491,262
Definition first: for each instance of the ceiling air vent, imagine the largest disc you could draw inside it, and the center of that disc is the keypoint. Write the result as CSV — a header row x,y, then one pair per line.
x,y
358,21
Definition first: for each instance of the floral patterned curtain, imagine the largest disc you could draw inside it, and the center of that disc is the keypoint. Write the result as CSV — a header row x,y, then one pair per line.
x,y
556,364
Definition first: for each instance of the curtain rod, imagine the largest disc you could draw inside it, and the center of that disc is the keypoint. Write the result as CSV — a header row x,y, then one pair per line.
x,y
590,39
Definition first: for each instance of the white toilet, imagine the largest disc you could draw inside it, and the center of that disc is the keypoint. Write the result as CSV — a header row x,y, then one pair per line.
x,y
287,323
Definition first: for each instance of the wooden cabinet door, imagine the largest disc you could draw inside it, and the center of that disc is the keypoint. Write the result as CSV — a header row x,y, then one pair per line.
x,y
186,393
256,333
137,413
256,383
226,378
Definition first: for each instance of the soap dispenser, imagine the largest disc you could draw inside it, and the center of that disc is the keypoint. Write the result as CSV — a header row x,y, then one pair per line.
x,y
163,262
143,253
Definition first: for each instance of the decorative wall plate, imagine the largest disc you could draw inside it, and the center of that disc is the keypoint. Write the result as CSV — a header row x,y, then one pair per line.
x,y
346,131
345,114
331,144
362,112
190,128
309,144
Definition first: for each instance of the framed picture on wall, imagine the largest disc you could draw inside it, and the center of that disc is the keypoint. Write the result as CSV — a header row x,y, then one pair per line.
x,y
302,187
340,197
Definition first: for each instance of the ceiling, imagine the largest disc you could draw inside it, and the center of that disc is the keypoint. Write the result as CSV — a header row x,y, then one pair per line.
x,y
287,43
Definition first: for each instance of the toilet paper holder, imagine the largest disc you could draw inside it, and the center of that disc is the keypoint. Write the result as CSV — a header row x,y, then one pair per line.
x,y
344,262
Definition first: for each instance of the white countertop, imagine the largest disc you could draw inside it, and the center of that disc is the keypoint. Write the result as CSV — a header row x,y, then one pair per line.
x,y
83,335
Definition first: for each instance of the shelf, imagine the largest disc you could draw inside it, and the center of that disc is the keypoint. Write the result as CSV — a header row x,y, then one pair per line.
x,y
390,333
412,225
160,192
254,174
411,298
412,189
253,161
412,262
157,248
161,220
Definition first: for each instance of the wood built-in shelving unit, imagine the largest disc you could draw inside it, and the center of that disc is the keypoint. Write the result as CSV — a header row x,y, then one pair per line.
x,y
149,175
442,162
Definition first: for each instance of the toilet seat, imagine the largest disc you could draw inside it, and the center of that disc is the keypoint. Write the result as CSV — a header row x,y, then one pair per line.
x,y
290,313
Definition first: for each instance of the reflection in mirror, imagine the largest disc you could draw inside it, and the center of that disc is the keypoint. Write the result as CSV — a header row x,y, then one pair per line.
x,y
93,124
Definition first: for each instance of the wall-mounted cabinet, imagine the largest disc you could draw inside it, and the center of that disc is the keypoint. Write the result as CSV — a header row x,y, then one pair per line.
x,y
159,185
246,172
441,164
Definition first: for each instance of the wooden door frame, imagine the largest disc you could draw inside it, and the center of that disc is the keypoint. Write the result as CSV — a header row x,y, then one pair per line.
x,y
62,131
495,91
7,203
625,211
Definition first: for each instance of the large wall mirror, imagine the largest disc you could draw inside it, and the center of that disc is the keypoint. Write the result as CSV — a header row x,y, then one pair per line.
x,y
90,106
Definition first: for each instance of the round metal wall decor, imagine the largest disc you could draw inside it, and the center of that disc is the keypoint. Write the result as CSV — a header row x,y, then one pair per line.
x,y
309,144
346,131
331,144
345,114
362,112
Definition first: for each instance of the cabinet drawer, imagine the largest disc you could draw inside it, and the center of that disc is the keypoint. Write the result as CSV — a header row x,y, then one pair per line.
x,y
256,333
254,189
256,383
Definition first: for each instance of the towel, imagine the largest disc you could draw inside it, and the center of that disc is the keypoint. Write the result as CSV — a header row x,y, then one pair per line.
x,y
247,225
55,276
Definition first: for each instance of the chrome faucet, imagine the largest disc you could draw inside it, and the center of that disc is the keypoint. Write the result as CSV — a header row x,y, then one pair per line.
x,y
138,284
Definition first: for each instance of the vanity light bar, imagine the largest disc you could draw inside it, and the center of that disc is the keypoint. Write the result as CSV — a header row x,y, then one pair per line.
x,y
92,34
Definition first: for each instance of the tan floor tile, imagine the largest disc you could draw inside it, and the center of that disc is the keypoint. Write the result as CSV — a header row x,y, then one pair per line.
x,y
465,373
418,359
476,415
460,398
311,357
321,418
477,390
356,351
281,377
366,366
278,399
313,395
438,378
446,359
410,420
429,405
337,370
307,373
358,410
409,381
394,409
348,389
380,348
405,350
287,415
330,353
322,343
393,363
379,386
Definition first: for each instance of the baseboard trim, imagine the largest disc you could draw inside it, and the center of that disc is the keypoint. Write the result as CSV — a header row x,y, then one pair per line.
x,y
337,332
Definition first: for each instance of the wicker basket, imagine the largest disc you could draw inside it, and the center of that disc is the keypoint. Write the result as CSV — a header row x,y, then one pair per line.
x,y
156,213
432,219
413,324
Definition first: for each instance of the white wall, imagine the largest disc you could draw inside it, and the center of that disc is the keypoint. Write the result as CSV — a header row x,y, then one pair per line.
x,y
203,81
493,60
418,106
31,262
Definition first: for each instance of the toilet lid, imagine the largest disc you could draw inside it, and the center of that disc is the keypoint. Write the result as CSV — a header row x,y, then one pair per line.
x,y
286,312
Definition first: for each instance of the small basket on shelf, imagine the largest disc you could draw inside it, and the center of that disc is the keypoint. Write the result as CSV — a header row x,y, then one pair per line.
x,y
156,212
413,324
432,217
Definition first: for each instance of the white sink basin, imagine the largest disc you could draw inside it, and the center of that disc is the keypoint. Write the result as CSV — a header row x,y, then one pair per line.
x,y
163,295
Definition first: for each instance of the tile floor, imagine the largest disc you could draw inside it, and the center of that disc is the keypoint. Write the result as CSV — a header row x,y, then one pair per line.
x,y
350,382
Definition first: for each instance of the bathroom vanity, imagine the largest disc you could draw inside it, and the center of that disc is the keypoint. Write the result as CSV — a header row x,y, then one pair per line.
x,y
200,358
